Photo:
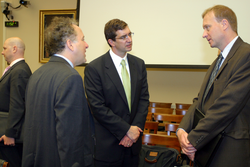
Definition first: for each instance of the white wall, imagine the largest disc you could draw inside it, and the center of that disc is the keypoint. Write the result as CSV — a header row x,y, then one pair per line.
x,y
164,85
166,32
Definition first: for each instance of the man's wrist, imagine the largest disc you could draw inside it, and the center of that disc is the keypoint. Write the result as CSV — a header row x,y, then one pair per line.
x,y
178,130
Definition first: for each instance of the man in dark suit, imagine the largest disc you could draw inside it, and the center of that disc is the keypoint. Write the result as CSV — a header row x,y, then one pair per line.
x,y
59,127
119,103
225,102
12,87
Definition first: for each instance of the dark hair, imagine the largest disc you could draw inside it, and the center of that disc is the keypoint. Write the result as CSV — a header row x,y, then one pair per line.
x,y
111,27
57,33
223,12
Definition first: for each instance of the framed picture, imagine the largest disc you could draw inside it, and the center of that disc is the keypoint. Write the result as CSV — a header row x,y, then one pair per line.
x,y
45,18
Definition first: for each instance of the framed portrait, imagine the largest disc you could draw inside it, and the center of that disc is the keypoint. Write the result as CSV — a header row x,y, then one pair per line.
x,y
45,18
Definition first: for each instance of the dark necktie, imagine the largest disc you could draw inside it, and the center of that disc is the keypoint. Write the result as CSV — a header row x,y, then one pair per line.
x,y
213,74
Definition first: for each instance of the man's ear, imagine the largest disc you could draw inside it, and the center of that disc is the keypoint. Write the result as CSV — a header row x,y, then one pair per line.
x,y
69,44
224,23
14,49
111,42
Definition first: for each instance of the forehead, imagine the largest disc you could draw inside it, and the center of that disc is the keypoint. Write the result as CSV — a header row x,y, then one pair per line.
x,y
78,30
125,31
209,18
6,44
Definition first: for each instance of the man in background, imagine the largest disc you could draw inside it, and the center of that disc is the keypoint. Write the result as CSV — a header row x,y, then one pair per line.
x,y
117,89
12,102
223,97
59,129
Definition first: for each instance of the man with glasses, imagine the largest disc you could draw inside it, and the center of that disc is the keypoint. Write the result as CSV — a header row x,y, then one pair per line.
x,y
117,89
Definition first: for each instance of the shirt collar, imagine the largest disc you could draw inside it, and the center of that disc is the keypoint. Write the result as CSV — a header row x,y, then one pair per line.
x,y
71,64
117,59
228,48
15,61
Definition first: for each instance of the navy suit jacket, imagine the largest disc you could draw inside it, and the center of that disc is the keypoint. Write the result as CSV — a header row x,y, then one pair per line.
x,y
109,105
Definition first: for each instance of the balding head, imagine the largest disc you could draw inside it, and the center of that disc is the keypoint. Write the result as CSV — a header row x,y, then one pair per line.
x,y
13,49
15,41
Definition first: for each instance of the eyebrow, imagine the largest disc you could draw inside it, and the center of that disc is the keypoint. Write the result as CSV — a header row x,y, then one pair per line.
x,y
126,34
206,26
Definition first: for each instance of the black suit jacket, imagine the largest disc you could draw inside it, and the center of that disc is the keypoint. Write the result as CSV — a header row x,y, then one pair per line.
x,y
226,108
58,123
12,87
109,104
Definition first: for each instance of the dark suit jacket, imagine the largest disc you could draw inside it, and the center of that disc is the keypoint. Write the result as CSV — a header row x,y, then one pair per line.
x,y
109,105
227,107
12,87
58,122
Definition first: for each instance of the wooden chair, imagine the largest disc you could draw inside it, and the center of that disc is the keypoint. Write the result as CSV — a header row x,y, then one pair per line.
x,y
160,105
160,110
170,128
180,111
168,117
182,106
149,116
165,140
151,125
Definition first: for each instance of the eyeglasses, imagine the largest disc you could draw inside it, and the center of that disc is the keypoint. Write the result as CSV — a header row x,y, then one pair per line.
x,y
124,37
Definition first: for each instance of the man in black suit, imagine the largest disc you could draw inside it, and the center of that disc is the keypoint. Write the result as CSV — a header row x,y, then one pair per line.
x,y
225,102
119,103
12,87
59,127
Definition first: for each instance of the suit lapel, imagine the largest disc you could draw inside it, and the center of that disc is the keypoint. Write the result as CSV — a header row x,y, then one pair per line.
x,y
133,76
229,56
114,76
205,81
11,68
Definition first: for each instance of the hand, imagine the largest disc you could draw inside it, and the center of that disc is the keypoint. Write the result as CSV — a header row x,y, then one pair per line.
x,y
126,141
8,140
191,156
134,133
186,146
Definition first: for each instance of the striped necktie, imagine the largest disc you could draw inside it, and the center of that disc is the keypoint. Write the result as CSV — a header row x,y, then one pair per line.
x,y
213,74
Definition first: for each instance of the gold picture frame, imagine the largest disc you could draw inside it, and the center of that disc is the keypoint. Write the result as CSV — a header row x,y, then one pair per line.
x,y
45,17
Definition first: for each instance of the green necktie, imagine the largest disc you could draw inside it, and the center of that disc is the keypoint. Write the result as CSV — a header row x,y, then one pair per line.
x,y
126,83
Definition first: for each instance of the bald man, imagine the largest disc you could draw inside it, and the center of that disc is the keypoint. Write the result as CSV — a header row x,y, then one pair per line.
x,y
12,104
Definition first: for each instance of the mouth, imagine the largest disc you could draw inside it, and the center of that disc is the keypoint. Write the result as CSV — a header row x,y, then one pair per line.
x,y
209,41
129,46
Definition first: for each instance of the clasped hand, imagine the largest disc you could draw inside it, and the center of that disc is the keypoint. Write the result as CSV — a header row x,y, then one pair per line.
x,y
186,146
8,140
131,136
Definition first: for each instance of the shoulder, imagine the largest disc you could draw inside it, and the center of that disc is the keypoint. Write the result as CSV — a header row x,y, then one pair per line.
x,y
100,60
135,58
99,64
21,69
241,46
55,71
136,62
